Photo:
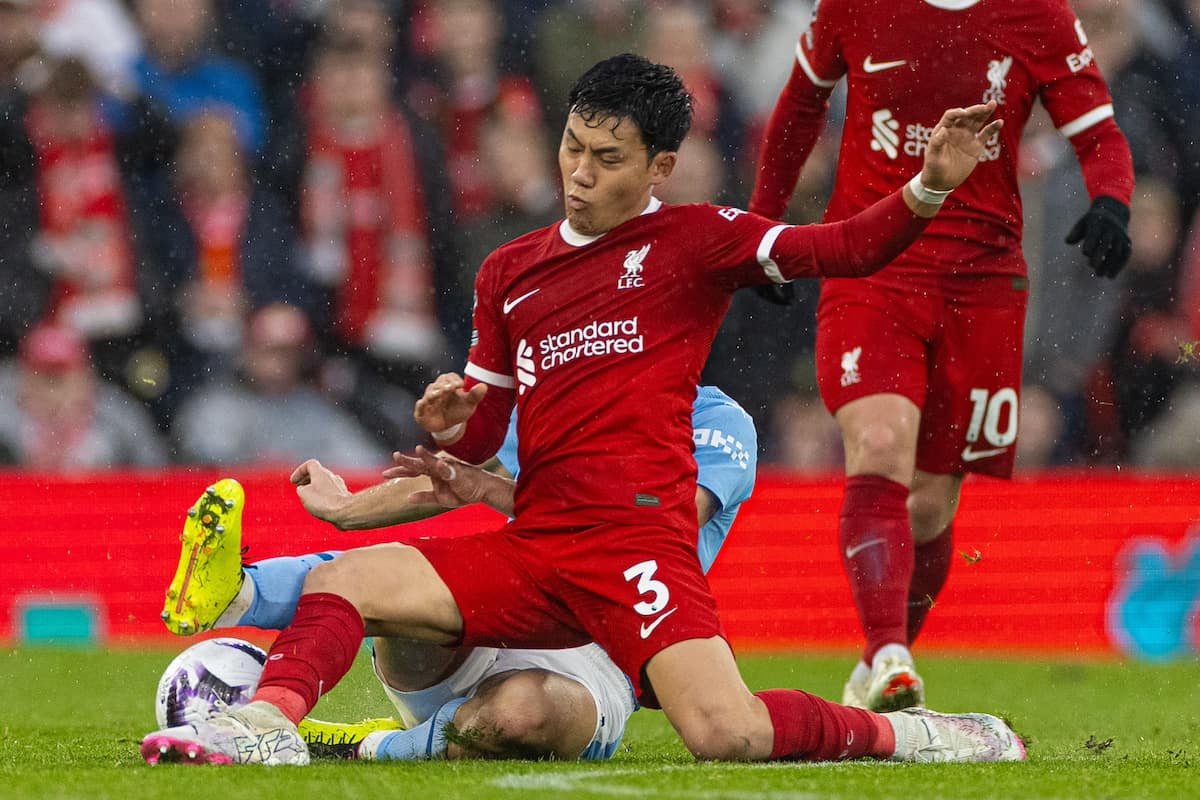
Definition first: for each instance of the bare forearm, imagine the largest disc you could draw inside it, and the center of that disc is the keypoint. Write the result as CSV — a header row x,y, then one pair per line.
x,y
498,493
383,505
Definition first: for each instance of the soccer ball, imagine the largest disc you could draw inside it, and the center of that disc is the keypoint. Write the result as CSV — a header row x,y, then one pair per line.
x,y
209,677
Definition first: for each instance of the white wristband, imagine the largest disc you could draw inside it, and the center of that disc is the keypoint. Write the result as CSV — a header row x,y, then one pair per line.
x,y
933,197
448,434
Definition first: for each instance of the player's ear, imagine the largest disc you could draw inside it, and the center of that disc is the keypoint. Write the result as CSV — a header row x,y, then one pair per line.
x,y
661,167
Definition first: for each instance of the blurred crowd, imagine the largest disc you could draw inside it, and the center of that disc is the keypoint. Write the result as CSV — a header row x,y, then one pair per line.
x,y
246,231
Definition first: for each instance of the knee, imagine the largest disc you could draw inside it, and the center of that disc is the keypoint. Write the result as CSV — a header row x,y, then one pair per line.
x,y
340,576
514,718
719,738
879,448
726,730
519,709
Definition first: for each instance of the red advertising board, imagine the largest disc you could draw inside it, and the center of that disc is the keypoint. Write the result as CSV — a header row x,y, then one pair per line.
x,y
1080,564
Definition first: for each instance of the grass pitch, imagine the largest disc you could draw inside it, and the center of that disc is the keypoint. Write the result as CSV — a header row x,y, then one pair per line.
x,y
71,721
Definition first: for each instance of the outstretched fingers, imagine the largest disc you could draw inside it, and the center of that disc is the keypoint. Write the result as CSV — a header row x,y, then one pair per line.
x,y
957,123
972,117
446,403
435,466
989,130
420,462
405,465
957,144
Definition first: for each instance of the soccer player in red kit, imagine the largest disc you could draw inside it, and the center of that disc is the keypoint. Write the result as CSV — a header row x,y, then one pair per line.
x,y
596,328
921,362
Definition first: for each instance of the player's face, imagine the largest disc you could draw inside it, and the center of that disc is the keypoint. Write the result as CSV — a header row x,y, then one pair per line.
x,y
606,174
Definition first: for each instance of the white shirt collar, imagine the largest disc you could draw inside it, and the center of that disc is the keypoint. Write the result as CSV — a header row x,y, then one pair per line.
x,y
571,237
952,5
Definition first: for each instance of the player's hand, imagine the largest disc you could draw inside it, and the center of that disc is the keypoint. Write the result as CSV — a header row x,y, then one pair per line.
x,y
454,483
1104,231
956,144
781,294
322,492
446,403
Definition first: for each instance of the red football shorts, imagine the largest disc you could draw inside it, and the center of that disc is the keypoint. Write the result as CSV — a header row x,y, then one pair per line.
x,y
632,590
955,354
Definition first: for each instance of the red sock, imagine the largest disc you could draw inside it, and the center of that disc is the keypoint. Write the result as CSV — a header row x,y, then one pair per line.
x,y
877,554
311,655
811,729
931,565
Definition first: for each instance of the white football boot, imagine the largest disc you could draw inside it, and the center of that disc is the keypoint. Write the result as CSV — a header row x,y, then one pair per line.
x,y
257,733
927,737
894,682
854,693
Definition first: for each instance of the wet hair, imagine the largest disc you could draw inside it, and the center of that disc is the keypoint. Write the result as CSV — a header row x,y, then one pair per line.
x,y
627,86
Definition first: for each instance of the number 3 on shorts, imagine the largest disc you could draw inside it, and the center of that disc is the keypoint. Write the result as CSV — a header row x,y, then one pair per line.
x,y
646,584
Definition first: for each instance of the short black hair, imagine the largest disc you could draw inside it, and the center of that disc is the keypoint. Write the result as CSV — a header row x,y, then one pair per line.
x,y
630,87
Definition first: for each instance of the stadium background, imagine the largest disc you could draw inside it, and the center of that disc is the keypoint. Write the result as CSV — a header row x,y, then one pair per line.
x,y
1094,550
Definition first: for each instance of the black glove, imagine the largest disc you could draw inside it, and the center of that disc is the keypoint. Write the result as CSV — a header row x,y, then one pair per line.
x,y
781,294
1104,231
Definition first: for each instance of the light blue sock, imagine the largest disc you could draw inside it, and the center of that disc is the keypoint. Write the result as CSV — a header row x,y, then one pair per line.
x,y
277,585
427,740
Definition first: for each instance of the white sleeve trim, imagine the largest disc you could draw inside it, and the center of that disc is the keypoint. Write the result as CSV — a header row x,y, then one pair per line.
x,y
492,378
764,254
808,70
1087,120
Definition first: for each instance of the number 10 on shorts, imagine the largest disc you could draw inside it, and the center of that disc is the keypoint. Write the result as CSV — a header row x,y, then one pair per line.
x,y
987,412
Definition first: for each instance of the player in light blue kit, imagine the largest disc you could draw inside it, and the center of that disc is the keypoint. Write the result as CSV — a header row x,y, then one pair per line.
x,y
505,703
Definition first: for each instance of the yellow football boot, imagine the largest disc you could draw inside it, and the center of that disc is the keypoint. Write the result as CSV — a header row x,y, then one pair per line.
x,y
341,739
209,574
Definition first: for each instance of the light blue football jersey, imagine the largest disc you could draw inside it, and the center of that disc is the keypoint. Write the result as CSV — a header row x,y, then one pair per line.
x,y
726,450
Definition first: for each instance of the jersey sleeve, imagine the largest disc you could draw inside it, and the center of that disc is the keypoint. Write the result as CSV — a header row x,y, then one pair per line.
x,y
488,362
792,131
1078,101
819,51
1069,81
748,250
726,450
798,117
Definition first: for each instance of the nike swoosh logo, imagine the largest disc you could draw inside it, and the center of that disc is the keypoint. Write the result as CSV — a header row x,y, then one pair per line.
x,y
851,552
509,305
871,66
649,629
974,455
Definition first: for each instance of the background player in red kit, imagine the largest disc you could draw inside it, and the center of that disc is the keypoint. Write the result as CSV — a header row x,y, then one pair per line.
x,y
921,363
597,328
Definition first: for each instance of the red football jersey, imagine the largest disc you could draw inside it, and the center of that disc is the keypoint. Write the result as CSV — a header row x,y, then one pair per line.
x,y
906,62
602,341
